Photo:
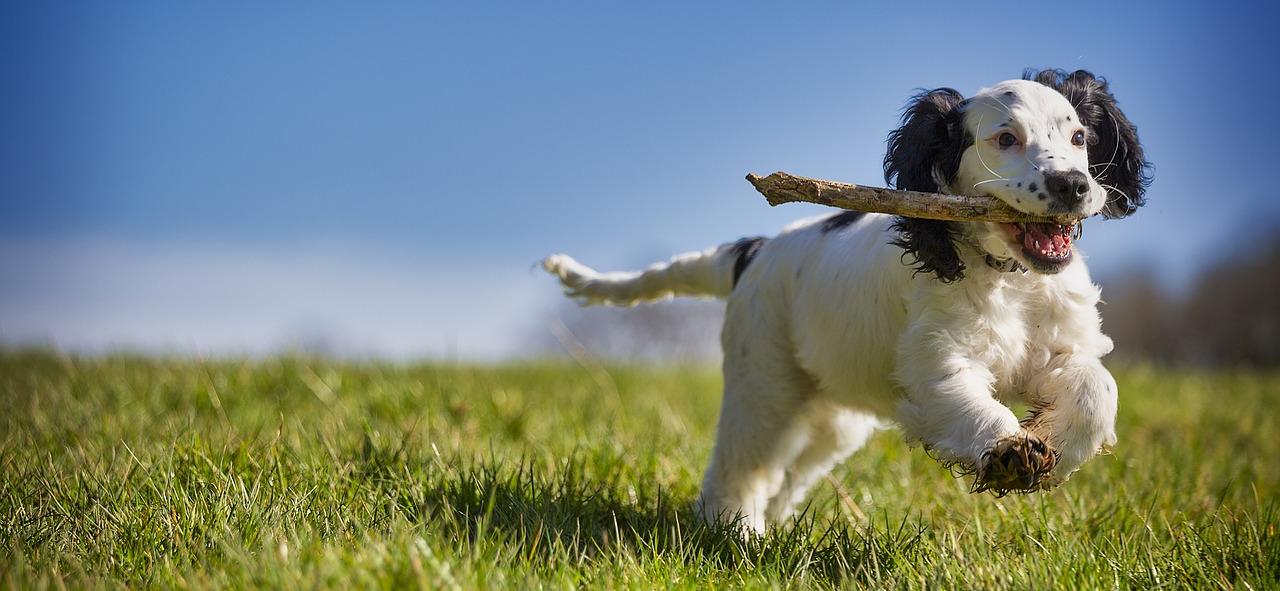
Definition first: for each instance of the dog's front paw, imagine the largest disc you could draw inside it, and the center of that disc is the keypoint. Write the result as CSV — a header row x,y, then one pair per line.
x,y
1018,463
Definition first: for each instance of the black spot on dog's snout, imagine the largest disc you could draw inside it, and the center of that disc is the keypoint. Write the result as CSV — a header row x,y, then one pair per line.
x,y
1033,188
840,220
744,251
1042,196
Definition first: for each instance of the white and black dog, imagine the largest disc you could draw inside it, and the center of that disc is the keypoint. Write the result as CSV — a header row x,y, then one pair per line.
x,y
842,324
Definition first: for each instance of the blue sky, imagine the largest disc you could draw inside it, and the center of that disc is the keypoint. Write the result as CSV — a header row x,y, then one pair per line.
x,y
220,179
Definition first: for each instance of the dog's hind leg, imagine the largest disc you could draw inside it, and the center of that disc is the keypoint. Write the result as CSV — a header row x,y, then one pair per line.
x,y
762,429
833,435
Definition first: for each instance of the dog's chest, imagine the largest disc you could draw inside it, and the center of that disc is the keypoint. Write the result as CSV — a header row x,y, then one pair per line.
x,y
1008,326
1016,326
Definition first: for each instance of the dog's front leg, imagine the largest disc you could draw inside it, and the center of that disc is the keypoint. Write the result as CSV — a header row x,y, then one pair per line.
x,y
1074,409
949,406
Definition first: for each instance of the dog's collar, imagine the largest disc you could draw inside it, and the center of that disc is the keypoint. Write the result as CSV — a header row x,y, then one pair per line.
x,y
1008,265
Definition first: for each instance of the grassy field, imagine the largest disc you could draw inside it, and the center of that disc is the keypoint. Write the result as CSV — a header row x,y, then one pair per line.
x,y
131,472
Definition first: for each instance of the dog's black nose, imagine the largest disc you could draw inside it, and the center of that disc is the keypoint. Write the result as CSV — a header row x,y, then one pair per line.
x,y
1069,187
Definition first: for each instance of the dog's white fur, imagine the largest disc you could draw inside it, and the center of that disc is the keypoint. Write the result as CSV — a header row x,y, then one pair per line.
x,y
828,335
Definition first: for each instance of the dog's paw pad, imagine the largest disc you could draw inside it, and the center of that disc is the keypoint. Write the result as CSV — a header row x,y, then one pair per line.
x,y
1019,463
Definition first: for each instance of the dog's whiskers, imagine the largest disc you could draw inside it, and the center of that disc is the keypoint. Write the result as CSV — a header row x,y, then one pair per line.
x,y
1003,106
998,176
1126,195
1009,111
1114,151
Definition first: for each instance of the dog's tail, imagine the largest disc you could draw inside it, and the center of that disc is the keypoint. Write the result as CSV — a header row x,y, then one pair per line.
x,y
709,273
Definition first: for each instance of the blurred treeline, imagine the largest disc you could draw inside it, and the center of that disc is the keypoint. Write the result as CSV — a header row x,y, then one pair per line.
x,y
1228,316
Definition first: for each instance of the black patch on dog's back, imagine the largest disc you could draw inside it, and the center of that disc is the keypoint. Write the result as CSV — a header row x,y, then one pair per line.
x,y
840,221
744,251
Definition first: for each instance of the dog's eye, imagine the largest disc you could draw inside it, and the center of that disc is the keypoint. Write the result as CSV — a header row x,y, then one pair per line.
x,y
1078,138
1007,140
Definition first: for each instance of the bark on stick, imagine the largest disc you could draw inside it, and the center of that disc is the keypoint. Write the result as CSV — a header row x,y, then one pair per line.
x,y
781,187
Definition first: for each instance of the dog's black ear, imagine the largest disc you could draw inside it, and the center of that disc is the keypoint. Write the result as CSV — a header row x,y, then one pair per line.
x,y
1115,154
924,155
924,152
931,244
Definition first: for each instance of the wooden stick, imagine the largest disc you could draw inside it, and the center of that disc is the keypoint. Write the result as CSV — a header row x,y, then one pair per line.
x,y
781,187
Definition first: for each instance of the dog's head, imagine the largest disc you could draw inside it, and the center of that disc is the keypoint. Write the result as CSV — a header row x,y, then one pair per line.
x,y
1050,144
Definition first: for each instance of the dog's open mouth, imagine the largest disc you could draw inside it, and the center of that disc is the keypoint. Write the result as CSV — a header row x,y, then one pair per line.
x,y
1044,243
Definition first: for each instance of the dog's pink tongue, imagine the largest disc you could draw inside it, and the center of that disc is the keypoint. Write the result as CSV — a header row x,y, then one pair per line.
x,y
1037,240
1041,237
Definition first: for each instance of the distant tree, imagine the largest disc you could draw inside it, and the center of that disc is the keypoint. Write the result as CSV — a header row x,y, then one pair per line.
x,y
1139,318
1230,315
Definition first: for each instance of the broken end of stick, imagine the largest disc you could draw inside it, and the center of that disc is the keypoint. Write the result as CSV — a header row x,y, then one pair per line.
x,y
763,184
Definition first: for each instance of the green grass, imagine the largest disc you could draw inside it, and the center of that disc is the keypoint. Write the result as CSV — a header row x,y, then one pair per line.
x,y
133,472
